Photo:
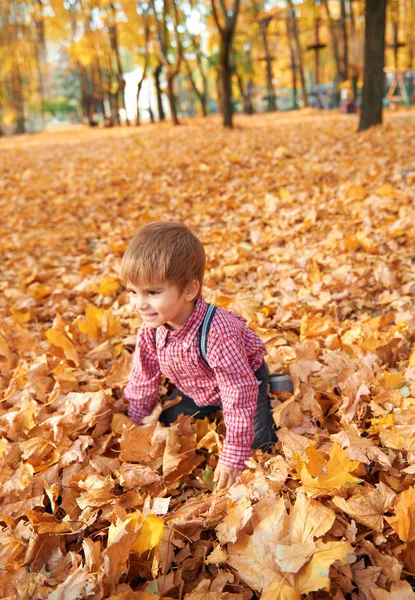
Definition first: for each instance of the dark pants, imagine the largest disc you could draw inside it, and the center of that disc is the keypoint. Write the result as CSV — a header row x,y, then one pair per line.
x,y
263,421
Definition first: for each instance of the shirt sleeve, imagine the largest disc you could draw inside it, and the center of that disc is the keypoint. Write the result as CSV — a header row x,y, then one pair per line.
x,y
238,388
143,385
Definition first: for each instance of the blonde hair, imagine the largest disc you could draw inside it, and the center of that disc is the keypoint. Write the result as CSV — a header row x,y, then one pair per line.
x,y
164,251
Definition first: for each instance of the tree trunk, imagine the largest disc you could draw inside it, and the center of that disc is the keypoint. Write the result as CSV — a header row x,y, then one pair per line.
x,y
157,73
18,97
219,91
335,47
241,91
226,31
226,79
411,43
372,96
145,65
343,20
139,86
293,60
200,95
113,34
172,100
40,56
272,102
333,36
296,38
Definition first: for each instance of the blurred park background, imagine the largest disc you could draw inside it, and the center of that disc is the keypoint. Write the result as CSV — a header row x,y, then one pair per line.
x,y
110,63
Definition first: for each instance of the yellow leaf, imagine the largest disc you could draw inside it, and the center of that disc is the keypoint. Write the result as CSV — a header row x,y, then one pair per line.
x,y
93,319
285,194
309,519
412,359
59,339
150,535
108,285
381,423
39,290
356,192
336,473
313,272
393,380
316,461
20,316
404,520
315,325
387,189
291,557
315,575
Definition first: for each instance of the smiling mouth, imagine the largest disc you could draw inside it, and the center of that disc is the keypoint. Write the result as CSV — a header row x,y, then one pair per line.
x,y
148,315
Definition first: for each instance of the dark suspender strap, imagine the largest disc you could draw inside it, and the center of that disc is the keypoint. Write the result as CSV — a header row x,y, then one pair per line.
x,y
155,335
204,332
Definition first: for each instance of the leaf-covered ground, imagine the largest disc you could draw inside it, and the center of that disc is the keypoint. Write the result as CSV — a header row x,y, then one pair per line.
x,y
309,231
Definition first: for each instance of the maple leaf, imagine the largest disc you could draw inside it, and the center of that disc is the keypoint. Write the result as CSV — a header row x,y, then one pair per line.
x,y
368,505
60,340
237,516
331,475
315,575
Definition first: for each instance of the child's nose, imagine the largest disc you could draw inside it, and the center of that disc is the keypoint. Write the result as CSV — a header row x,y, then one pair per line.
x,y
142,303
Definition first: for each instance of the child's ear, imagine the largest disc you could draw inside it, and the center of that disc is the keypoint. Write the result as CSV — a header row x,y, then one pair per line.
x,y
192,290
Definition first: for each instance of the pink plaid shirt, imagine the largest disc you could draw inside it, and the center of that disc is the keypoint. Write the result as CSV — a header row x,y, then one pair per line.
x,y
234,353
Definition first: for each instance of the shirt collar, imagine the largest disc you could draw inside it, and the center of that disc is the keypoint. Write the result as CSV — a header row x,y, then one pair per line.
x,y
188,330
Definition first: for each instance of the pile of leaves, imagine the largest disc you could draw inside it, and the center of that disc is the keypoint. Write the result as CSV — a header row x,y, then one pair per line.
x,y
309,230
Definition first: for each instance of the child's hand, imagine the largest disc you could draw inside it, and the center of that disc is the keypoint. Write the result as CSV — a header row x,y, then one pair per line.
x,y
225,476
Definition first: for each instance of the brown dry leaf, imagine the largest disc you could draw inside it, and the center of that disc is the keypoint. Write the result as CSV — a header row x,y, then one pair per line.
x,y
80,583
368,505
137,476
179,454
39,453
251,555
237,516
135,444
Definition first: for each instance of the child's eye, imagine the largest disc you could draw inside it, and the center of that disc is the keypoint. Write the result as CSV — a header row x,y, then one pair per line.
x,y
153,293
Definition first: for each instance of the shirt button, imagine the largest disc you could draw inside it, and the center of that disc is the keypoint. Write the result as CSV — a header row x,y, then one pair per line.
x,y
185,345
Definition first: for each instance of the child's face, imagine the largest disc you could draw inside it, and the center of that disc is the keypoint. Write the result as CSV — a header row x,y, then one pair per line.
x,y
160,302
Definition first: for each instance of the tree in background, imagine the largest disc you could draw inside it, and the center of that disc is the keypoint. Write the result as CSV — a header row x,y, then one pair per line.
x,y
372,95
225,20
169,49
293,34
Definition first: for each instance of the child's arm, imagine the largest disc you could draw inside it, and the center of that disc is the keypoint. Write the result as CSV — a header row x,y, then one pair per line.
x,y
238,389
143,385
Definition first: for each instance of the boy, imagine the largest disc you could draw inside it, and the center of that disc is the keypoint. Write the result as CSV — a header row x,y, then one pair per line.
x,y
163,268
